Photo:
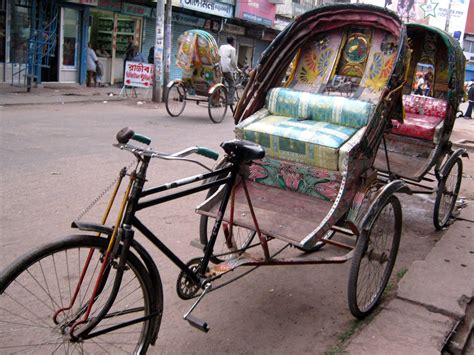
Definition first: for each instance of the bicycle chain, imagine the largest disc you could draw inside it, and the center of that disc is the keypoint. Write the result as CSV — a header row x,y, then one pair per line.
x,y
85,210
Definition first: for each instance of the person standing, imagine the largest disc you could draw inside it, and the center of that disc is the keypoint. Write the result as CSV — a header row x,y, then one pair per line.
x,y
470,97
151,55
128,54
228,62
91,66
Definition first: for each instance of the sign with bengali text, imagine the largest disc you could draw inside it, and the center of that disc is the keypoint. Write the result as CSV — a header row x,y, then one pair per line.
x,y
138,75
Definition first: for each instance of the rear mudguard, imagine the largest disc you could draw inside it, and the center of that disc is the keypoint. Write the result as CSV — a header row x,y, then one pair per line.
x,y
145,258
383,196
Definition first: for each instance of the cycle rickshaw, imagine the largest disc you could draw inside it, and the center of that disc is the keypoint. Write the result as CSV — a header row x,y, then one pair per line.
x,y
301,176
418,150
201,80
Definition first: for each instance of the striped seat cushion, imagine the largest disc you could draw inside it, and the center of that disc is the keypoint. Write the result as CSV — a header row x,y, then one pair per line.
x,y
332,109
308,142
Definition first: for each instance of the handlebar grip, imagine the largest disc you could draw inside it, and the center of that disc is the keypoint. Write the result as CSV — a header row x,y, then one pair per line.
x,y
125,134
208,153
141,138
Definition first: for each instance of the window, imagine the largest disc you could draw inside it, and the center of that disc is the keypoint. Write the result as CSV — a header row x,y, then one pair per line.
x,y
2,29
468,46
20,31
70,37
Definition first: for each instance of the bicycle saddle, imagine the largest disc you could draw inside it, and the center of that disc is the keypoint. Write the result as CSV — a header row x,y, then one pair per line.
x,y
244,151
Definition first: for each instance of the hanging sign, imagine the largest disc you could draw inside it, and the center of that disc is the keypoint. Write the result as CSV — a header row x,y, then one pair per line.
x,y
209,7
136,10
188,20
111,5
138,75
257,11
234,29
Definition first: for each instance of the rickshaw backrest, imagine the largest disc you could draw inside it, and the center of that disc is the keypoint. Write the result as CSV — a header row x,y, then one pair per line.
x,y
333,109
425,105
364,55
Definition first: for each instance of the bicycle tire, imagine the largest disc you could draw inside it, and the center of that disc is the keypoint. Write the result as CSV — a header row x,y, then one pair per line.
x,y
371,251
175,99
217,104
443,209
22,308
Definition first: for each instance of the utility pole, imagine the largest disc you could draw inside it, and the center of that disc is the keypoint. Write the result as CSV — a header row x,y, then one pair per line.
x,y
158,60
167,48
448,17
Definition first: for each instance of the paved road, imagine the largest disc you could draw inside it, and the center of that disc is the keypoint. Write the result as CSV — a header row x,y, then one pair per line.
x,y
56,159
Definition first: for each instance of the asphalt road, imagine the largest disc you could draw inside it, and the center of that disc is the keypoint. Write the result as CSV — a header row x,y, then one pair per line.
x,y
56,159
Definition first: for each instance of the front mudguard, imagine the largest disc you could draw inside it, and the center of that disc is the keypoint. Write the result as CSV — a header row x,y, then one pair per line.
x,y
380,200
145,258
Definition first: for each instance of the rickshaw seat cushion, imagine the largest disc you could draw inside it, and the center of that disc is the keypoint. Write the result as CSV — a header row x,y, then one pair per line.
x,y
417,126
337,110
422,115
308,142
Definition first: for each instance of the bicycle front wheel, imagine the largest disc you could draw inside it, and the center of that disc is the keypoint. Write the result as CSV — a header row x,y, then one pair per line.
x,y
36,291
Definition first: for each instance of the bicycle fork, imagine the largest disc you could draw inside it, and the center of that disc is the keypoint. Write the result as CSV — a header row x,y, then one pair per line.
x,y
125,236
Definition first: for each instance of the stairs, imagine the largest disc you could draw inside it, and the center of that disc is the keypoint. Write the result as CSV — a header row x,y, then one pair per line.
x,y
43,15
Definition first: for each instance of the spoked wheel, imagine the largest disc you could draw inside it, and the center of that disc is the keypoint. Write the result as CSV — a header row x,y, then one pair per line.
x,y
175,99
217,104
225,247
36,292
374,258
446,197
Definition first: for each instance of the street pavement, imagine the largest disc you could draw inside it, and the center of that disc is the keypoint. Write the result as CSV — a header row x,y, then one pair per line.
x,y
432,308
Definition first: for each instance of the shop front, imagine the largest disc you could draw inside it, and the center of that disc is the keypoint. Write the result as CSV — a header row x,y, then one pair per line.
x,y
113,25
58,42
257,17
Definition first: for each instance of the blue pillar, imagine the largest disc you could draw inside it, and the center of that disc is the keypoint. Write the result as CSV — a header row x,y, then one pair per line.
x,y
84,39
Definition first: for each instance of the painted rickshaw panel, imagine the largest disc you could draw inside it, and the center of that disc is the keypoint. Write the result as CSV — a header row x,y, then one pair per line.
x,y
379,88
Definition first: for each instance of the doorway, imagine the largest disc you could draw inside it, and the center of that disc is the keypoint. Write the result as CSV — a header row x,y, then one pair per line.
x,y
245,56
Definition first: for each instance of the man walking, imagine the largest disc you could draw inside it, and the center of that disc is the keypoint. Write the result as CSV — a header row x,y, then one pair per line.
x,y
470,97
228,63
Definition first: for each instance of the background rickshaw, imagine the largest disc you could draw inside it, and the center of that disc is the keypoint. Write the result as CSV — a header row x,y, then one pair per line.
x,y
417,149
201,80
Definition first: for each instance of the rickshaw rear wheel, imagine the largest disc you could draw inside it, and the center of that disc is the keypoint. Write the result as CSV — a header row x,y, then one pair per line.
x,y
217,104
447,194
374,258
242,237
175,99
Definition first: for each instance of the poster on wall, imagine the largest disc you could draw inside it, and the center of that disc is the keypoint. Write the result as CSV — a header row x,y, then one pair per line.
x,y
138,75
257,11
448,15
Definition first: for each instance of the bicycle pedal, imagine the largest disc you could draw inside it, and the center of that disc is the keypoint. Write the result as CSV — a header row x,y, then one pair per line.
x,y
197,244
197,323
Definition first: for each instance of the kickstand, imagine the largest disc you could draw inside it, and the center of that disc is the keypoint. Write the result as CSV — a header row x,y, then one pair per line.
x,y
194,321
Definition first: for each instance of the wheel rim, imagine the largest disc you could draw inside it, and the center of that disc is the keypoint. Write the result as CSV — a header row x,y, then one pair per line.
x,y
229,247
30,301
217,105
176,100
450,189
378,259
